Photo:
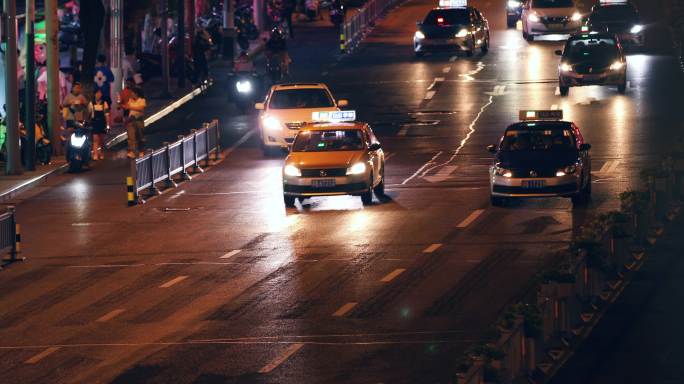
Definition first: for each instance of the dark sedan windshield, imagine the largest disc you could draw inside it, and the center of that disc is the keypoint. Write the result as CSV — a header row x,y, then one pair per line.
x,y
538,140
328,141
457,16
301,98
591,49
614,13
552,4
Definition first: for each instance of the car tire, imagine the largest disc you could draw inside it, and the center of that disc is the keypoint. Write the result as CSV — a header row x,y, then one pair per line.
x,y
485,46
564,90
498,201
418,54
622,88
584,196
367,197
511,23
380,188
289,201
529,38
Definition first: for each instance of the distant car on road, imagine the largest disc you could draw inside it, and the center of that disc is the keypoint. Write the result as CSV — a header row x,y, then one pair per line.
x,y
546,17
618,17
336,155
541,156
514,12
592,59
452,27
287,108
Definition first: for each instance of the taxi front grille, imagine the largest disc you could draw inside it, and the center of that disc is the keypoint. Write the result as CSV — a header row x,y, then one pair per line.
x,y
295,125
324,172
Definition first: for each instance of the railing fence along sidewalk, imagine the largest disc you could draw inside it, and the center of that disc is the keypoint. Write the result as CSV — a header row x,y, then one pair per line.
x,y
352,31
10,236
163,164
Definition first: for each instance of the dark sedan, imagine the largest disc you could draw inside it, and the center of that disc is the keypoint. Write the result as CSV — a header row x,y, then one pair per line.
x,y
620,18
452,29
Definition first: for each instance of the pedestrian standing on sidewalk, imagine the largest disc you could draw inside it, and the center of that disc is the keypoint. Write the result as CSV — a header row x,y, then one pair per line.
x,y
74,107
104,77
100,117
135,122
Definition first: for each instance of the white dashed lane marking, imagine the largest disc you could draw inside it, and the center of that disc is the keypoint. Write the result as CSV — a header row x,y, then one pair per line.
x,y
432,248
47,352
470,219
110,315
344,309
429,95
392,275
446,69
231,254
291,350
173,282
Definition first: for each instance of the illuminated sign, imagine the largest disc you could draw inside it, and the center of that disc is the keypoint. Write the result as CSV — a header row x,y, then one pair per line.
x,y
453,3
541,115
333,116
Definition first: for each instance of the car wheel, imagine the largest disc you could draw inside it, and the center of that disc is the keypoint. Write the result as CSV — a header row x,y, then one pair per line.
x,y
529,37
367,197
419,54
564,91
289,201
498,201
380,188
510,23
584,196
622,88
485,46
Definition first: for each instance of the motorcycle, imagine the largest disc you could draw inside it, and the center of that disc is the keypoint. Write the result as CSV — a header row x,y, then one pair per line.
x,y
274,69
245,88
79,146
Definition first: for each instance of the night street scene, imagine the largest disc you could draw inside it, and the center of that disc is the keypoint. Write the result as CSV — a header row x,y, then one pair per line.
x,y
342,191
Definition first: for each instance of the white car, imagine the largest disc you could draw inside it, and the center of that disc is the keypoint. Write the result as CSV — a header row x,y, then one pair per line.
x,y
548,17
287,108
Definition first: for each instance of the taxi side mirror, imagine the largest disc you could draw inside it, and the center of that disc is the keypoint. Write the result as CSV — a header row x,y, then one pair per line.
x,y
342,103
259,106
585,147
374,147
491,148
559,52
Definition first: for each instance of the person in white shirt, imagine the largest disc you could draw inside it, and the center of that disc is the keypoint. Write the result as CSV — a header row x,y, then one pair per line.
x,y
135,122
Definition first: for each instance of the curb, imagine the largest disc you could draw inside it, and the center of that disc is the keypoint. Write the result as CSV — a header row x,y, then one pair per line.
x,y
31,183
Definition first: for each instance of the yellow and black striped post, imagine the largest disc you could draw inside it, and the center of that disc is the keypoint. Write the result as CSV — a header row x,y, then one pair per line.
x,y
343,43
17,239
131,192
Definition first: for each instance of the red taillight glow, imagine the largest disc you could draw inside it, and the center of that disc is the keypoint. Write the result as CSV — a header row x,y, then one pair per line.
x,y
440,20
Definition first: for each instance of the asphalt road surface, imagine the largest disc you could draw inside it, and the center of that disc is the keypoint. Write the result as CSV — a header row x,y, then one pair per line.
x,y
216,282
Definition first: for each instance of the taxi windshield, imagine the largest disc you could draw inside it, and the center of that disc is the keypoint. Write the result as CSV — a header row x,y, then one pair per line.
x,y
591,49
552,4
517,140
301,98
456,16
329,141
614,12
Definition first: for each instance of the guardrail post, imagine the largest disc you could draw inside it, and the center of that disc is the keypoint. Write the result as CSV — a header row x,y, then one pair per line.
x,y
206,143
342,39
196,166
217,155
131,191
153,189
184,172
169,180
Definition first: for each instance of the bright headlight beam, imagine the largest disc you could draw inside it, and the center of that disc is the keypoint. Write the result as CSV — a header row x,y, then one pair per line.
x,y
616,66
564,67
291,170
637,28
576,16
462,33
356,169
533,18
514,4
244,86
271,123
420,35
77,141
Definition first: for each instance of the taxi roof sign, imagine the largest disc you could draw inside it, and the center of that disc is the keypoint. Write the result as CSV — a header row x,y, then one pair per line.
x,y
556,114
453,3
333,116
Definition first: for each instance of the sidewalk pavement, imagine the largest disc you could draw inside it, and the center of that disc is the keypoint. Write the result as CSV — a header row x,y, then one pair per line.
x,y
159,106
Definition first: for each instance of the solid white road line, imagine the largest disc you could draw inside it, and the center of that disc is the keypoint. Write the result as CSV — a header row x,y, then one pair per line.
x,y
390,276
429,95
173,282
231,254
432,248
470,219
291,350
110,315
344,309
42,355
446,69
422,168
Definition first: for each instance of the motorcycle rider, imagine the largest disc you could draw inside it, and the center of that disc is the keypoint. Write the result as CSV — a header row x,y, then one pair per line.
x,y
276,48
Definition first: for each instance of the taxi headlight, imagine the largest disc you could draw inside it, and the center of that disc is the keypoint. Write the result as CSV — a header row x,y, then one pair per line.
x,y
502,172
569,170
533,18
271,123
462,33
616,66
356,169
576,16
514,4
565,67
420,35
291,170
636,29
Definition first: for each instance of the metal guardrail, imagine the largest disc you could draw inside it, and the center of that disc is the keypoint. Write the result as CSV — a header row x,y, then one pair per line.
x,y
10,237
353,31
161,165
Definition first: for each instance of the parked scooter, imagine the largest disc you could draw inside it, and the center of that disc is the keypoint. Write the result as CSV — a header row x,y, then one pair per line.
x,y
79,146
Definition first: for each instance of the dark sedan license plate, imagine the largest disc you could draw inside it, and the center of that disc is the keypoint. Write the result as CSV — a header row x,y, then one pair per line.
x,y
323,183
534,183
592,77
554,26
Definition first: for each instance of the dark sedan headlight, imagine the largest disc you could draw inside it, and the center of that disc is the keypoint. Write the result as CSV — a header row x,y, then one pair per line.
x,y
569,170
499,171
514,4
420,35
636,29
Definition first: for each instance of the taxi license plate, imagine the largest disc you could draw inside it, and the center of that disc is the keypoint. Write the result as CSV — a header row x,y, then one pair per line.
x,y
323,183
534,183
555,26
592,77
